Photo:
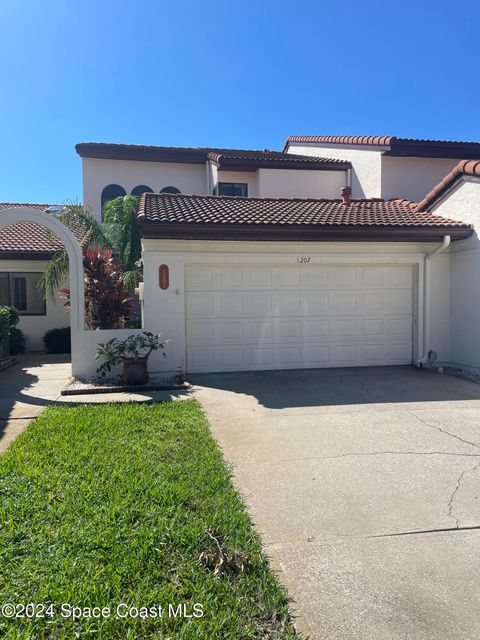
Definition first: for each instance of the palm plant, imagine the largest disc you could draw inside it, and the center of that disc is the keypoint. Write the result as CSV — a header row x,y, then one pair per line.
x,y
118,232
124,237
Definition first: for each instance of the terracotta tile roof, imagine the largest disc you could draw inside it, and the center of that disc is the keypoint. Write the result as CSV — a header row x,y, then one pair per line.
x,y
353,140
397,146
162,210
469,168
251,158
26,239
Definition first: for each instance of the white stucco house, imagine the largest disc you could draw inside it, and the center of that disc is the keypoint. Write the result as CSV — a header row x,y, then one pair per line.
x,y
329,253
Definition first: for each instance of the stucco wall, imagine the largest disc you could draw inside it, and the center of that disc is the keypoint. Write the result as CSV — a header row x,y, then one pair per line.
x,y
98,173
35,327
164,311
463,203
247,177
412,178
366,165
284,183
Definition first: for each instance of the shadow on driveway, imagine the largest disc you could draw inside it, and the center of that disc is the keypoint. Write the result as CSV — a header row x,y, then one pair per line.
x,y
342,386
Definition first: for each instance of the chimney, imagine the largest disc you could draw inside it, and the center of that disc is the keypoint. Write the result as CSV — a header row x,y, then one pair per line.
x,y
346,193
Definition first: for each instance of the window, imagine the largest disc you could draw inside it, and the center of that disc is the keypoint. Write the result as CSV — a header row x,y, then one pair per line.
x,y
170,190
111,192
139,189
20,290
232,189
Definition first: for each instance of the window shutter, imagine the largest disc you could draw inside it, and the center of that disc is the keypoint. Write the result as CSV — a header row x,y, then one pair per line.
x,y
20,293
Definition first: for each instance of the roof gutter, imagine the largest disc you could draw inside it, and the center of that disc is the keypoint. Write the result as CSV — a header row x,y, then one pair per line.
x,y
427,311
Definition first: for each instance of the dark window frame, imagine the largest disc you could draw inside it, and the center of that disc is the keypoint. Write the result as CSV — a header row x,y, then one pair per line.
x,y
233,186
144,189
104,199
170,189
11,291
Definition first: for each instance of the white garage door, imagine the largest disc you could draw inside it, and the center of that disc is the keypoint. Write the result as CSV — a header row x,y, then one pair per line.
x,y
257,317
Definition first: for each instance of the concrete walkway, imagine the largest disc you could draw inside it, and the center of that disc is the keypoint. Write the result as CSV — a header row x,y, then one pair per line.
x,y
365,487
36,382
27,388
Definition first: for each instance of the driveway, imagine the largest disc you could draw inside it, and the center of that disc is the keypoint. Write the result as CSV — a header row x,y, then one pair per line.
x,y
365,487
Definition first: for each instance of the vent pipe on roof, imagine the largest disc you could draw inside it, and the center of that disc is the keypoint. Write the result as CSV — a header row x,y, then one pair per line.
x,y
346,193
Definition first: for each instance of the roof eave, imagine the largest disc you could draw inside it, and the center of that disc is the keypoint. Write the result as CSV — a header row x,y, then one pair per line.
x,y
6,254
233,164
87,150
291,233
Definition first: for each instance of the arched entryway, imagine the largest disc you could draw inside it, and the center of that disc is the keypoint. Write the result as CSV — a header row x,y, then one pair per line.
x,y
17,215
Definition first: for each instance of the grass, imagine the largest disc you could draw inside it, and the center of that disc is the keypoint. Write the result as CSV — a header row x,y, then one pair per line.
x,y
130,503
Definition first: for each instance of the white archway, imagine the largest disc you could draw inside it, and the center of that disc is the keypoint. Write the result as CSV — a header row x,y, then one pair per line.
x,y
15,215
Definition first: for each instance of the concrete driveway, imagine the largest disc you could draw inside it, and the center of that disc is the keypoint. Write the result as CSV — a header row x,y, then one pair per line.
x,y
365,486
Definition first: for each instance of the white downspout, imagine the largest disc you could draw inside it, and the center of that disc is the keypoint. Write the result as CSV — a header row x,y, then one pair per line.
x,y
427,298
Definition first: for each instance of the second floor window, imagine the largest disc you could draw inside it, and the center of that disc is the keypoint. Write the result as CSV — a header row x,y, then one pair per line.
x,y
232,189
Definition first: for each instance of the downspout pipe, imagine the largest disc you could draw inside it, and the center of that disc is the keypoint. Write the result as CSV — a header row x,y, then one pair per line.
x,y
427,297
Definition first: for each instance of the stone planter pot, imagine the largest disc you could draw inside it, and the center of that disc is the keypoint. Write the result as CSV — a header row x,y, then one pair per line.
x,y
135,371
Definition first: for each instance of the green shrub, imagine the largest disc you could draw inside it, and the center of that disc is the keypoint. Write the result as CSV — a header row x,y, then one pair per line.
x,y
17,341
57,340
8,320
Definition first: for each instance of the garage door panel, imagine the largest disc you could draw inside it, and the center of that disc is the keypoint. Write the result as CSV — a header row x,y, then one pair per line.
x,y
372,302
200,305
262,317
341,276
371,276
399,301
341,302
315,303
314,278
400,276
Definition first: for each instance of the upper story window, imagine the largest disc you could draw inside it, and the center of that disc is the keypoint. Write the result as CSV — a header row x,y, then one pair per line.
x,y
139,189
232,189
111,192
21,290
170,190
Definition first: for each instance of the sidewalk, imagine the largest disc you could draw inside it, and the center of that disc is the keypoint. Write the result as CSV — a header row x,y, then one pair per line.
x,y
27,388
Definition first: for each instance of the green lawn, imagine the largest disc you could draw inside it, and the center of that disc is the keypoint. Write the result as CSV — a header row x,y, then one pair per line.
x,y
122,503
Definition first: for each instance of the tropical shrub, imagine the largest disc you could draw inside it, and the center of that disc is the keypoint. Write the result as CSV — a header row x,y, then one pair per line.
x,y
17,341
107,304
9,319
57,340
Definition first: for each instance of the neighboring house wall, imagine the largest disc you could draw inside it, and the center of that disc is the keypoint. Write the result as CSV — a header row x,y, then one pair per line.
x,y
412,178
98,173
35,327
366,165
463,202
164,311
284,183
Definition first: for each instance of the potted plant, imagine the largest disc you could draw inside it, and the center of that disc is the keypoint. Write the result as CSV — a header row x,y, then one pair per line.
x,y
133,352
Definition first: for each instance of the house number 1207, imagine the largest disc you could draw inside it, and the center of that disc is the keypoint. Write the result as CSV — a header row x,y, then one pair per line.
x,y
303,260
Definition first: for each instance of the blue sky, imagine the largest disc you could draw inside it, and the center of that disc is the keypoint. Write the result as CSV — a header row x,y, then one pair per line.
x,y
222,73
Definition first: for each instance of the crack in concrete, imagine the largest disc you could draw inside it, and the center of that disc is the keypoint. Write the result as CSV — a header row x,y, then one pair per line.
x,y
444,431
457,487
424,532
360,384
408,453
